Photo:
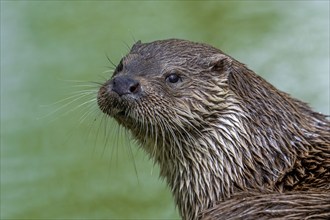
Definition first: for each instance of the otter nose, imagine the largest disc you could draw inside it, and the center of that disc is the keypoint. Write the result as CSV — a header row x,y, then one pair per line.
x,y
123,85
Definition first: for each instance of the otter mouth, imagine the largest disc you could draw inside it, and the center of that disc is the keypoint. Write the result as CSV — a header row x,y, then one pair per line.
x,y
114,112
121,113
113,105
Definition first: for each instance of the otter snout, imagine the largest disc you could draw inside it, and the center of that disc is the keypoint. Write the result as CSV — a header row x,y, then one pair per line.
x,y
124,85
113,96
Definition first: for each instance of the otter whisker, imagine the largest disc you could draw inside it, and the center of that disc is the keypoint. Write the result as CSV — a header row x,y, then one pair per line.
x,y
131,155
72,100
77,95
111,62
110,133
88,112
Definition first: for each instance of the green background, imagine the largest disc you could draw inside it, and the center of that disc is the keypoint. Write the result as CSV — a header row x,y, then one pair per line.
x,y
60,157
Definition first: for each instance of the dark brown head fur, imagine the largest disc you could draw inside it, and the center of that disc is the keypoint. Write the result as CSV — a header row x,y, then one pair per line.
x,y
216,128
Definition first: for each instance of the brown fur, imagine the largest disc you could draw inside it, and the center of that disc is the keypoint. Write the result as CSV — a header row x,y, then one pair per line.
x,y
291,205
220,131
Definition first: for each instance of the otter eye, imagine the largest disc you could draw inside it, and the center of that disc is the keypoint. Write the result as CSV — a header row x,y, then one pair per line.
x,y
173,78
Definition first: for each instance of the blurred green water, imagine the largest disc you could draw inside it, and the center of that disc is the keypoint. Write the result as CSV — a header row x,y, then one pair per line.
x,y
67,164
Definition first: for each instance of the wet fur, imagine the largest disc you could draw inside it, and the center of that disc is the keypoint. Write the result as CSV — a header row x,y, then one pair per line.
x,y
221,132
291,205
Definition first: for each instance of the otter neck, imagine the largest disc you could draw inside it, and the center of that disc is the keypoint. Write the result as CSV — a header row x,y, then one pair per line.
x,y
213,166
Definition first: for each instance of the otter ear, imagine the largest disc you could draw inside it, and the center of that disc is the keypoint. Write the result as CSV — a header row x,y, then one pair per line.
x,y
219,62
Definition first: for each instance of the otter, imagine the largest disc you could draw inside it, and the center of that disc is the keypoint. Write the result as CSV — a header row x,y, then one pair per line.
x,y
228,143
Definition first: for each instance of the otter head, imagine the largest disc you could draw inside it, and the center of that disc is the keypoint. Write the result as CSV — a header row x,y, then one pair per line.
x,y
165,92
